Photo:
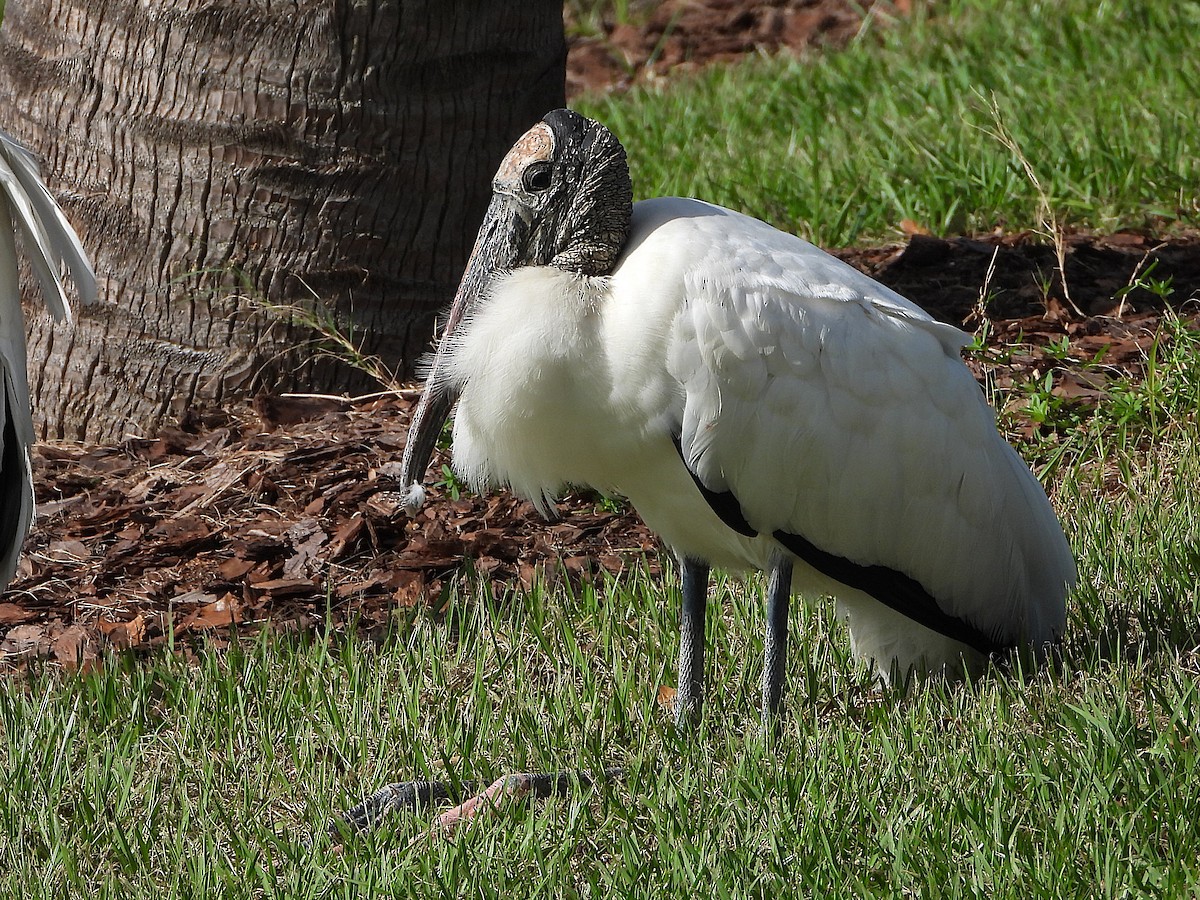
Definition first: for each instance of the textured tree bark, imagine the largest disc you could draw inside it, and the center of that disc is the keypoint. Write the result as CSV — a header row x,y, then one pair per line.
x,y
218,155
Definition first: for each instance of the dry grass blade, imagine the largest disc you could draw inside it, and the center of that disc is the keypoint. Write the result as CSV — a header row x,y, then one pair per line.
x,y
1052,227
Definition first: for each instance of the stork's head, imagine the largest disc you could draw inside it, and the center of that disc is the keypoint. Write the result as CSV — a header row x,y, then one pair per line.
x,y
561,197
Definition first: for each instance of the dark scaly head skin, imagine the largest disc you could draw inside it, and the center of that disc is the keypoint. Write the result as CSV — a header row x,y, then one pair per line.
x,y
590,201
562,197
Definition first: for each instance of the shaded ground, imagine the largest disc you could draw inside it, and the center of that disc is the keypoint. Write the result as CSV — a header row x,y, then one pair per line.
x,y
287,513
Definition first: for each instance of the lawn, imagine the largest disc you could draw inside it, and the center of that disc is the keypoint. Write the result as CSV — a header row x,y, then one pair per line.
x,y
1100,99
172,775
164,777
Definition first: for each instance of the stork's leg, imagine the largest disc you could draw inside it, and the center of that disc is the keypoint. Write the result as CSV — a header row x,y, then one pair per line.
x,y
690,695
779,593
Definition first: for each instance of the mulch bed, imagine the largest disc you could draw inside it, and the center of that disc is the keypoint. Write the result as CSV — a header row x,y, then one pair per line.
x,y
287,514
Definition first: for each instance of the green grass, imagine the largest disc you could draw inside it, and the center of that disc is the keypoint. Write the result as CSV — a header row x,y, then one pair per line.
x,y
1102,99
158,777
1134,412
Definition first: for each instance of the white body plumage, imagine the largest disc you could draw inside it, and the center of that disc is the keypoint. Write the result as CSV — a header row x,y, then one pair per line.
x,y
828,405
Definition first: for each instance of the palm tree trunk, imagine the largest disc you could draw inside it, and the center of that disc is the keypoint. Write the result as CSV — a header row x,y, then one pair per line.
x,y
219,155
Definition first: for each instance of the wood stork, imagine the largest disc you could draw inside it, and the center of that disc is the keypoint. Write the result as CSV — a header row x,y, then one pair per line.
x,y
50,244
762,405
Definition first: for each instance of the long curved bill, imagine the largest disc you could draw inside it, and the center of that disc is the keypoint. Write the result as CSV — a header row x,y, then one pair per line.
x,y
497,248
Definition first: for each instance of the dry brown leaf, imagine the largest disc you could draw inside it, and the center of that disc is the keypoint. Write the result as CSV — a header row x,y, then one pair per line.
x,y
76,647
665,697
287,587
386,504
1126,239
27,640
1056,310
125,635
222,612
298,563
1079,386
68,551
274,410
347,536
13,614
410,589
234,568
181,532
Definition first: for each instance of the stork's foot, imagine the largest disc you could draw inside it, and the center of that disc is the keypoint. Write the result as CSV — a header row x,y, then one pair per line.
x,y
414,795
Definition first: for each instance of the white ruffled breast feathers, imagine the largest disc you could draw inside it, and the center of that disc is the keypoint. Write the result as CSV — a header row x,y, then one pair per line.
x,y
531,372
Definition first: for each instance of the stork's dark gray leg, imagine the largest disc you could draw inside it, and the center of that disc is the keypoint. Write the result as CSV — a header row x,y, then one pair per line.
x,y
690,695
779,593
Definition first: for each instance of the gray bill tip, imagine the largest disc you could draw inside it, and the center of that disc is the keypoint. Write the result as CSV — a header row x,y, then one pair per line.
x,y
414,498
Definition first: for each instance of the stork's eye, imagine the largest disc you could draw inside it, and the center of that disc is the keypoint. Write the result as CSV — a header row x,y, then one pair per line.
x,y
537,177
